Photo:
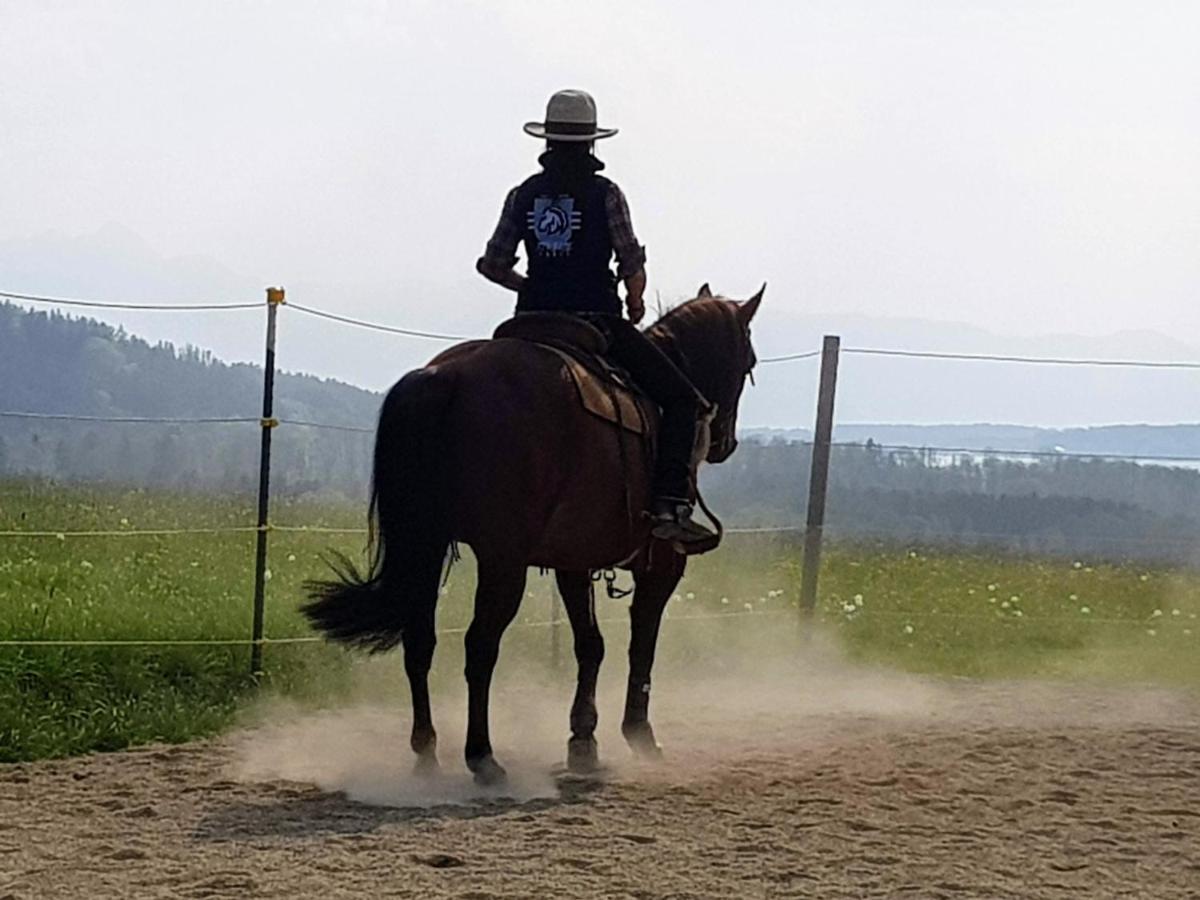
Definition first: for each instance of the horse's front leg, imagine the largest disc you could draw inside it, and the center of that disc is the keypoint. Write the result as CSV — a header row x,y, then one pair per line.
x,y
653,587
580,600
497,598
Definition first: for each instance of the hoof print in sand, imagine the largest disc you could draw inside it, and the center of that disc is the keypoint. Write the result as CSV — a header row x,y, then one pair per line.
x,y
128,853
638,838
438,860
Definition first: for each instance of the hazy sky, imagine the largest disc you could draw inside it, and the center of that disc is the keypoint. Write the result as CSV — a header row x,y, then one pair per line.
x,y
1024,167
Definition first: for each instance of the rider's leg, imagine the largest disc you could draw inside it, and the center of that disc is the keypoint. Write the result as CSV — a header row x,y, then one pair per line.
x,y
681,406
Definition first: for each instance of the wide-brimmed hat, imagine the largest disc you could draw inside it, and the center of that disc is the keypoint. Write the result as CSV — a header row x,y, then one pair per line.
x,y
570,116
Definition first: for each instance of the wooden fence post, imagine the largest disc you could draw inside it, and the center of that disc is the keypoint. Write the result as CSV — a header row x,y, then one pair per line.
x,y
818,483
275,298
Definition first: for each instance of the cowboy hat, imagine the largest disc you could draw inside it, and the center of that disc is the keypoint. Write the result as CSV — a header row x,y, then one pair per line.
x,y
570,116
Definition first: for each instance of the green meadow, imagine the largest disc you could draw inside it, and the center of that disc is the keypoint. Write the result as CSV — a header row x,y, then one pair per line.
x,y
917,609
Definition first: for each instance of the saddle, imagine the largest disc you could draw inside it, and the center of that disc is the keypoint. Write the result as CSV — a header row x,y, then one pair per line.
x,y
604,390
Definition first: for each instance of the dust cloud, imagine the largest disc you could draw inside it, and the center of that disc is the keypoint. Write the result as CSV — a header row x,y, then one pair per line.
x,y
706,707
363,753
724,692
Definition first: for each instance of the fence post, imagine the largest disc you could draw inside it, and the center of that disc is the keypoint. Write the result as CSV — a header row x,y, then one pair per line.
x,y
818,483
275,297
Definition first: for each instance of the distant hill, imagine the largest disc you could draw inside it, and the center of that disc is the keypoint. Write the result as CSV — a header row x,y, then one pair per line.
x,y
114,263
61,365
56,364
1125,440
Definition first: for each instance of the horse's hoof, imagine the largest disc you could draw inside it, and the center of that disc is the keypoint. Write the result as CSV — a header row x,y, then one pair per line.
x,y
641,741
488,772
427,766
583,756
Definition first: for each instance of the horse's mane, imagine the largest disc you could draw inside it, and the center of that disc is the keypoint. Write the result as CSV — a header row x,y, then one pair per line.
x,y
687,334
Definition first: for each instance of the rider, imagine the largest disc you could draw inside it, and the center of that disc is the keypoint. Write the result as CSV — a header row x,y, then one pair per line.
x,y
572,222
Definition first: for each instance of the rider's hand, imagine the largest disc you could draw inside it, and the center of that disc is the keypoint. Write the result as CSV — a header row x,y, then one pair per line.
x,y
636,308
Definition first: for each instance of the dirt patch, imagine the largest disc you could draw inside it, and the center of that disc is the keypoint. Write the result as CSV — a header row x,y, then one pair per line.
x,y
843,785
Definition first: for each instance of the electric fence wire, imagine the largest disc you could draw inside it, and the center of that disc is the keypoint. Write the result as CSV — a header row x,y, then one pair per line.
x,y
790,357
1041,454
131,420
439,336
1030,360
1010,618
101,304
407,332
329,426
923,536
375,326
245,642
128,532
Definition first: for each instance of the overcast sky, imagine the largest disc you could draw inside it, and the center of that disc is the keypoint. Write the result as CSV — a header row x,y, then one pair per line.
x,y
1028,168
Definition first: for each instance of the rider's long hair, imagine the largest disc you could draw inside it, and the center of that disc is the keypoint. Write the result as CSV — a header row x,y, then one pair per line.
x,y
570,163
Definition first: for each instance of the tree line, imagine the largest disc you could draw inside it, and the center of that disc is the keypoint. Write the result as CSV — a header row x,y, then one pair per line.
x,y
52,363
1111,507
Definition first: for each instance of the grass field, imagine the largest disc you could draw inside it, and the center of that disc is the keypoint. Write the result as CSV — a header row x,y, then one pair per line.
x,y
911,608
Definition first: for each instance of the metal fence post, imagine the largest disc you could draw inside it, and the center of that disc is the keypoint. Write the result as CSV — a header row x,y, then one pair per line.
x,y
818,483
275,298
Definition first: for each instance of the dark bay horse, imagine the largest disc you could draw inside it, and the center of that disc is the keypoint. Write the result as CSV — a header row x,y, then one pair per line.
x,y
489,445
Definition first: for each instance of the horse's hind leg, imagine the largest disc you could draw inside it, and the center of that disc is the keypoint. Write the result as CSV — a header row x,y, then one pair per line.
x,y
419,640
497,599
419,643
653,588
580,600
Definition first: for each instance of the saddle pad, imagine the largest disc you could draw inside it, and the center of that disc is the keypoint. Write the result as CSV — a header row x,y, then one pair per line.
x,y
606,399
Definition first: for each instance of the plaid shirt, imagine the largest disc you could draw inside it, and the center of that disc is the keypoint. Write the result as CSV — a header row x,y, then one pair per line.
x,y
501,252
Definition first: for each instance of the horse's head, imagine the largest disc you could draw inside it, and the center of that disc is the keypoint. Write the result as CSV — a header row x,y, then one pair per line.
x,y
709,338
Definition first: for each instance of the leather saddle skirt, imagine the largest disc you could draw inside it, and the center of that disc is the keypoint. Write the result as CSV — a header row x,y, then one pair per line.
x,y
603,389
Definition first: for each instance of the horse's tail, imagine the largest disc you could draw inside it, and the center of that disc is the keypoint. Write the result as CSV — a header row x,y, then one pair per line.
x,y
409,533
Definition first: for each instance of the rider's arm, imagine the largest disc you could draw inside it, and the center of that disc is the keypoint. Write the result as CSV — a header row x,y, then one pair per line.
x,y
631,255
635,288
509,278
500,255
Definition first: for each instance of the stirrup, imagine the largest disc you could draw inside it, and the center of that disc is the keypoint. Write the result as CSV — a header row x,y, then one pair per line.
x,y
674,524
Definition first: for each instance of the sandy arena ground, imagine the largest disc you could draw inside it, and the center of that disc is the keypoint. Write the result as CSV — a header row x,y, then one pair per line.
x,y
867,786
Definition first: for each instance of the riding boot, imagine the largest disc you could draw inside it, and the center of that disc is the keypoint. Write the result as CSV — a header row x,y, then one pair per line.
x,y
671,510
673,522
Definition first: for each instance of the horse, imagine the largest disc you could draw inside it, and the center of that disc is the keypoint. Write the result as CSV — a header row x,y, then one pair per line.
x,y
488,445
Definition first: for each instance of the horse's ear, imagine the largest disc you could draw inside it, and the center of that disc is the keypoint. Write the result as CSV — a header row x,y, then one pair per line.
x,y
747,310
705,290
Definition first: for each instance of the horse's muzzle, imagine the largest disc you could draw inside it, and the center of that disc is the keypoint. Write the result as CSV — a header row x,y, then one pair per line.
x,y
722,450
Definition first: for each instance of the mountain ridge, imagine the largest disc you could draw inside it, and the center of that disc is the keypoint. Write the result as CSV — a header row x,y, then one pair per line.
x,y
118,264
86,348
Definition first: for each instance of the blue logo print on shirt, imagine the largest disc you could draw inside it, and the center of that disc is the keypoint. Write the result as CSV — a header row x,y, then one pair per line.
x,y
552,221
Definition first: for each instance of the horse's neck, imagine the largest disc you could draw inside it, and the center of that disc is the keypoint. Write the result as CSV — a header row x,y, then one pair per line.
x,y
669,344
682,348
